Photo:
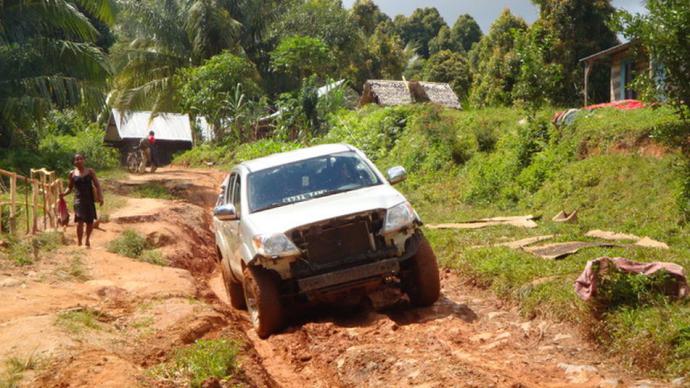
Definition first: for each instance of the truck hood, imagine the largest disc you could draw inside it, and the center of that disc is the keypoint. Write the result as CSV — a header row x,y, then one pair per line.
x,y
284,218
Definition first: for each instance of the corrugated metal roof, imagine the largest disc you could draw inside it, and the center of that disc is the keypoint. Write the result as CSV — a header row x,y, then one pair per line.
x,y
608,51
136,125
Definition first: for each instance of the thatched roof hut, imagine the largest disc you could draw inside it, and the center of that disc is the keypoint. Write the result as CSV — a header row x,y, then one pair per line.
x,y
436,92
388,93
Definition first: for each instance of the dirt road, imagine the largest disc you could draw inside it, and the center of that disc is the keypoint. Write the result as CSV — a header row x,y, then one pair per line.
x,y
144,312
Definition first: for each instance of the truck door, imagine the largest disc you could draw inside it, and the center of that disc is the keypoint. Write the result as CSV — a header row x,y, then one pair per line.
x,y
233,229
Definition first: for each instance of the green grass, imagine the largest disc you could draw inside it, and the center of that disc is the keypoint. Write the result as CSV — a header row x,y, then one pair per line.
x,y
15,368
153,257
152,190
133,245
78,321
27,250
129,243
74,270
197,363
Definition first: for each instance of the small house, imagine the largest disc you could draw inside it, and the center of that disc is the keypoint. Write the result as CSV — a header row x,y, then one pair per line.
x,y
390,93
625,61
173,132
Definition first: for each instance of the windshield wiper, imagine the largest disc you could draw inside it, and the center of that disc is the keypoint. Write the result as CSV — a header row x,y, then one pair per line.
x,y
271,206
335,192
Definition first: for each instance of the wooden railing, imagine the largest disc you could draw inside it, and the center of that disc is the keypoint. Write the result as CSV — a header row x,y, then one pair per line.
x,y
37,195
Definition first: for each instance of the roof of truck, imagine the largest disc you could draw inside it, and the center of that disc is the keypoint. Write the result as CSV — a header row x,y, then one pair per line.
x,y
294,156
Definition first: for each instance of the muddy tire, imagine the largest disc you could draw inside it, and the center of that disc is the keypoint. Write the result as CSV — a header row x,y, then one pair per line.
x,y
262,296
234,289
423,285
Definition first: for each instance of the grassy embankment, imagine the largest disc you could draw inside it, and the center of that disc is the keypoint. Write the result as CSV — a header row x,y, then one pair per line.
x,y
622,171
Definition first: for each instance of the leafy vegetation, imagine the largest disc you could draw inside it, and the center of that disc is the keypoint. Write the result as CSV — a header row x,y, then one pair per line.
x,y
152,190
26,251
15,368
621,171
235,63
663,32
133,245
77,321
49,58
204,359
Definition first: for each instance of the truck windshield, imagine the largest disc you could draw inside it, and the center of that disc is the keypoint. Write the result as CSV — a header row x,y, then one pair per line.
x,y
307,179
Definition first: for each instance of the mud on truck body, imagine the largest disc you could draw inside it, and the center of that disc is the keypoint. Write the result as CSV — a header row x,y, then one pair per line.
x,y
319,224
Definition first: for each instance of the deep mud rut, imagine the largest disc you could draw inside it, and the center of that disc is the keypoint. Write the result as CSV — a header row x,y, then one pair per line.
x,y
145,312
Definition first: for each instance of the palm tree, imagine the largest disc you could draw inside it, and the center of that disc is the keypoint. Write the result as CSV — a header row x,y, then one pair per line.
x,y
48,59
160,37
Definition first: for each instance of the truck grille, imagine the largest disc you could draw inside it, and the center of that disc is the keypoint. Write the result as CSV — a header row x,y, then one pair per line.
x,y
340,241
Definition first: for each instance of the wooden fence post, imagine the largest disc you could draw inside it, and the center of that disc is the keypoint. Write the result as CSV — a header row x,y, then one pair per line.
x,y
13,203
34,202
26,206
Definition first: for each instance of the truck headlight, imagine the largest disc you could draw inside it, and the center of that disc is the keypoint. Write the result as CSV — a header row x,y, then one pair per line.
x,y
274,245
398,217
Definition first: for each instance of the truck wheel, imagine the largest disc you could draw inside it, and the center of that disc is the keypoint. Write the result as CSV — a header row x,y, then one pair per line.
x,y
423,285
262,297
233,288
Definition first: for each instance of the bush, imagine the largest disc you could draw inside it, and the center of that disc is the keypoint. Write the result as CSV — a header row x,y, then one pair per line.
x,y
129,243
261,148
203,360
202,154
373,130
27,251
57,151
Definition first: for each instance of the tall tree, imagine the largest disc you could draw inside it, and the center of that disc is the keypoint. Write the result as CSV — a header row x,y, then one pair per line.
x,y
160,37
538,82
665,34
444,41
382,56
217,89
451,67
48,59
580,28
367,15
325,20
494,63
301,56
420,28
466,31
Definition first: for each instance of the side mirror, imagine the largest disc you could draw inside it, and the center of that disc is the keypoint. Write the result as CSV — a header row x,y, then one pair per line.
x,y
225,212
396,174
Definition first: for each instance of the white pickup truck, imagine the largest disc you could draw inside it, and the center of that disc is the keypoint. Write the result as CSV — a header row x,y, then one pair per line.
x,y
319,224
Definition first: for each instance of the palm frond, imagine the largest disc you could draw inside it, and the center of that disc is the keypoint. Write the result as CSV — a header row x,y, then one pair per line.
x,y
104,10
27,19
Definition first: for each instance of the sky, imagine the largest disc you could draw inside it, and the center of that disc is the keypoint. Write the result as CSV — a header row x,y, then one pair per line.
x,y
484,11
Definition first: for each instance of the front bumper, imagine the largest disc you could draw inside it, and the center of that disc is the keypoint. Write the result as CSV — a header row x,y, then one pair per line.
x,y
343,277
348,275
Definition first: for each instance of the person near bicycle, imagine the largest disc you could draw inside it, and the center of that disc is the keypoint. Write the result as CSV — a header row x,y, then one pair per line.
x,y
147,146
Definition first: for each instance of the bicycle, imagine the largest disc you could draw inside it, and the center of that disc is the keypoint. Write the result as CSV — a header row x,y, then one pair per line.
x,y
134,162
